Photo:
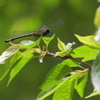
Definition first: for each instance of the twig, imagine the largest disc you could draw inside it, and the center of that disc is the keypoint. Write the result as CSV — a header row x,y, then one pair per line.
x,y
68,57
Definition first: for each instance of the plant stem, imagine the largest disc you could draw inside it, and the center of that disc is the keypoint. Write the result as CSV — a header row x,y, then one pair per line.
x,y
68,57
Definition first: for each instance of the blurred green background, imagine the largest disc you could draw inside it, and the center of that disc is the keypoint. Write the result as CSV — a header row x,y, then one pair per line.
x,y
28,15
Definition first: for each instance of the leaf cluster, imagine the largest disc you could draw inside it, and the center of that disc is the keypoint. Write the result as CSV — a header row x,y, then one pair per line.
x,y
61,80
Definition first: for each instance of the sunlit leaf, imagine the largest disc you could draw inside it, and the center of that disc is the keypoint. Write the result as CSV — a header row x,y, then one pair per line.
x,y
81,85
51,77
30,44
95,73
43,94
19,66
65,91
47,40
65,71
4,68
97,17
9,52
53,74
60,53
94,93
88,40
61,45
84,52
64,52
26,42
71,63
37,50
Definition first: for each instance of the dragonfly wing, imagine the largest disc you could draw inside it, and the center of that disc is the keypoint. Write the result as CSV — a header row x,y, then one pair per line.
x,y
19,33
55,24
43,27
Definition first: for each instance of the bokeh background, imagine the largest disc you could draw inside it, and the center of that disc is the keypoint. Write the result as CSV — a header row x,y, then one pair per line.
x,y
28,15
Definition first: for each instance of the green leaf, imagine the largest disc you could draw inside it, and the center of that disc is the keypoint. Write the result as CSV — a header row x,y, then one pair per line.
x,y
88,40
66,70
61,45
97,17
94,93
9,52
65,91
81,85
51,77
28,44
95,73
66,88
84,52
4,68
47,40
53,74
5,63
19,66
47,85
60,53
71,63
44,93
67,49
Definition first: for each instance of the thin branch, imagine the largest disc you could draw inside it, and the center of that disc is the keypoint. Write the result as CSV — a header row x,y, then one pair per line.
x,y
68,57
86,64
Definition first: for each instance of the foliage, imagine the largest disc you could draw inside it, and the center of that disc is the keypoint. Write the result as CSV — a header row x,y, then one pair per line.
x,y
62,79
61,83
